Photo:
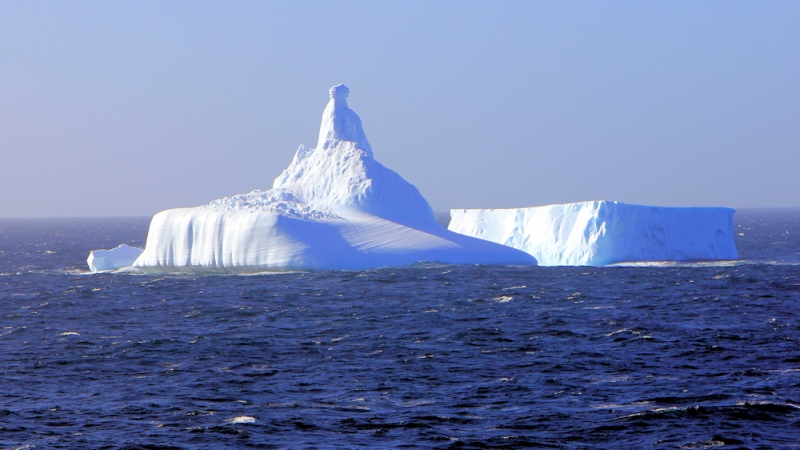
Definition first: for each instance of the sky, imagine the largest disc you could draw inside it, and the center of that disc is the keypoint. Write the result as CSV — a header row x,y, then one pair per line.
x,y
114,108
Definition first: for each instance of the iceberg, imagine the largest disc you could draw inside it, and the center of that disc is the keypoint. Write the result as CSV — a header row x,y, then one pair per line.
x,y
597,233
333,208
122,256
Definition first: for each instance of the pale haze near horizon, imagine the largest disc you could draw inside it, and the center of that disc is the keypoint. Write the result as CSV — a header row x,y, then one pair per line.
x,y
125,109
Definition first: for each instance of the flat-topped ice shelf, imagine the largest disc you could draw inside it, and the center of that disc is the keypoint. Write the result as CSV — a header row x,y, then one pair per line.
x,y
597,233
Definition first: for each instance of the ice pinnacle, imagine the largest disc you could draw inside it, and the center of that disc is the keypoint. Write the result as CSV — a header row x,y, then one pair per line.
x,y
340,123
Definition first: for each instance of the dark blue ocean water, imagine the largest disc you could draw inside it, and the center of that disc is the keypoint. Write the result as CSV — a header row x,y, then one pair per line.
x,y
430,356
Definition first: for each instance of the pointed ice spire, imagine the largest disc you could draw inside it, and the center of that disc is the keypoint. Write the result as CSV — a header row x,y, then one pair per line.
x,y
340,123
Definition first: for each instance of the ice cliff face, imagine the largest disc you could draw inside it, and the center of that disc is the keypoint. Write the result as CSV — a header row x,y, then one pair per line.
x,y
604,232
334,207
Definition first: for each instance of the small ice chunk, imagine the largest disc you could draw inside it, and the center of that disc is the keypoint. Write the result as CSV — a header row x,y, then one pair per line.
x,y
242,419
122,256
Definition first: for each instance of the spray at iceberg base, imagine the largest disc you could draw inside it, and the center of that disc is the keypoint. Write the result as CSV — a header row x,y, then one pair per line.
x,y
334,208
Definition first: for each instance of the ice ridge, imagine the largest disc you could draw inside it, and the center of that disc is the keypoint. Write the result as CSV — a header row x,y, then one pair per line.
x,y
276,200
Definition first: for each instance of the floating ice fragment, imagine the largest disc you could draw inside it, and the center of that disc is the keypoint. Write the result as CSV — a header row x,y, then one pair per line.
x,y
122,256
242,419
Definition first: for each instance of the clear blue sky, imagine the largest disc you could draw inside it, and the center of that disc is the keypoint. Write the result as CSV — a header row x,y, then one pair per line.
x,y
127,108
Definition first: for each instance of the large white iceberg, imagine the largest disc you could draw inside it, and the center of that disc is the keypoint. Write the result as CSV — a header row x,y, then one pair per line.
x,y
604,232
334,207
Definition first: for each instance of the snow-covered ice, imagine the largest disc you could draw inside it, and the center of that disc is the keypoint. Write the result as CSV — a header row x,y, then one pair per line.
x,y
597,233
334,207
121,256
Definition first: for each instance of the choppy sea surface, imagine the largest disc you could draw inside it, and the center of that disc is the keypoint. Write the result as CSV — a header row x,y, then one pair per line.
x,y
661,355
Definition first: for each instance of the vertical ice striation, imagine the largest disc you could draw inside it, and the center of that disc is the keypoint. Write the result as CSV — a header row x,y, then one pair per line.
x,y
340,123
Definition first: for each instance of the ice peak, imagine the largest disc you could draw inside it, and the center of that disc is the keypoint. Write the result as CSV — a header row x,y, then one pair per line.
x,y
340,123
340,91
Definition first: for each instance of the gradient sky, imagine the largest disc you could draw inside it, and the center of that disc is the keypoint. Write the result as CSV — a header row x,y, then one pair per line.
x,y
127,108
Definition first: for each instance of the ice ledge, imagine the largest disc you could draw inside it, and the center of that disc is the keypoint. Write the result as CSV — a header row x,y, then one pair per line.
x,y
602,232
277,200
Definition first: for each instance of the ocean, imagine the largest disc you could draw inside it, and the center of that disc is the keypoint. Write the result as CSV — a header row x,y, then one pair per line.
x,y
657,355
